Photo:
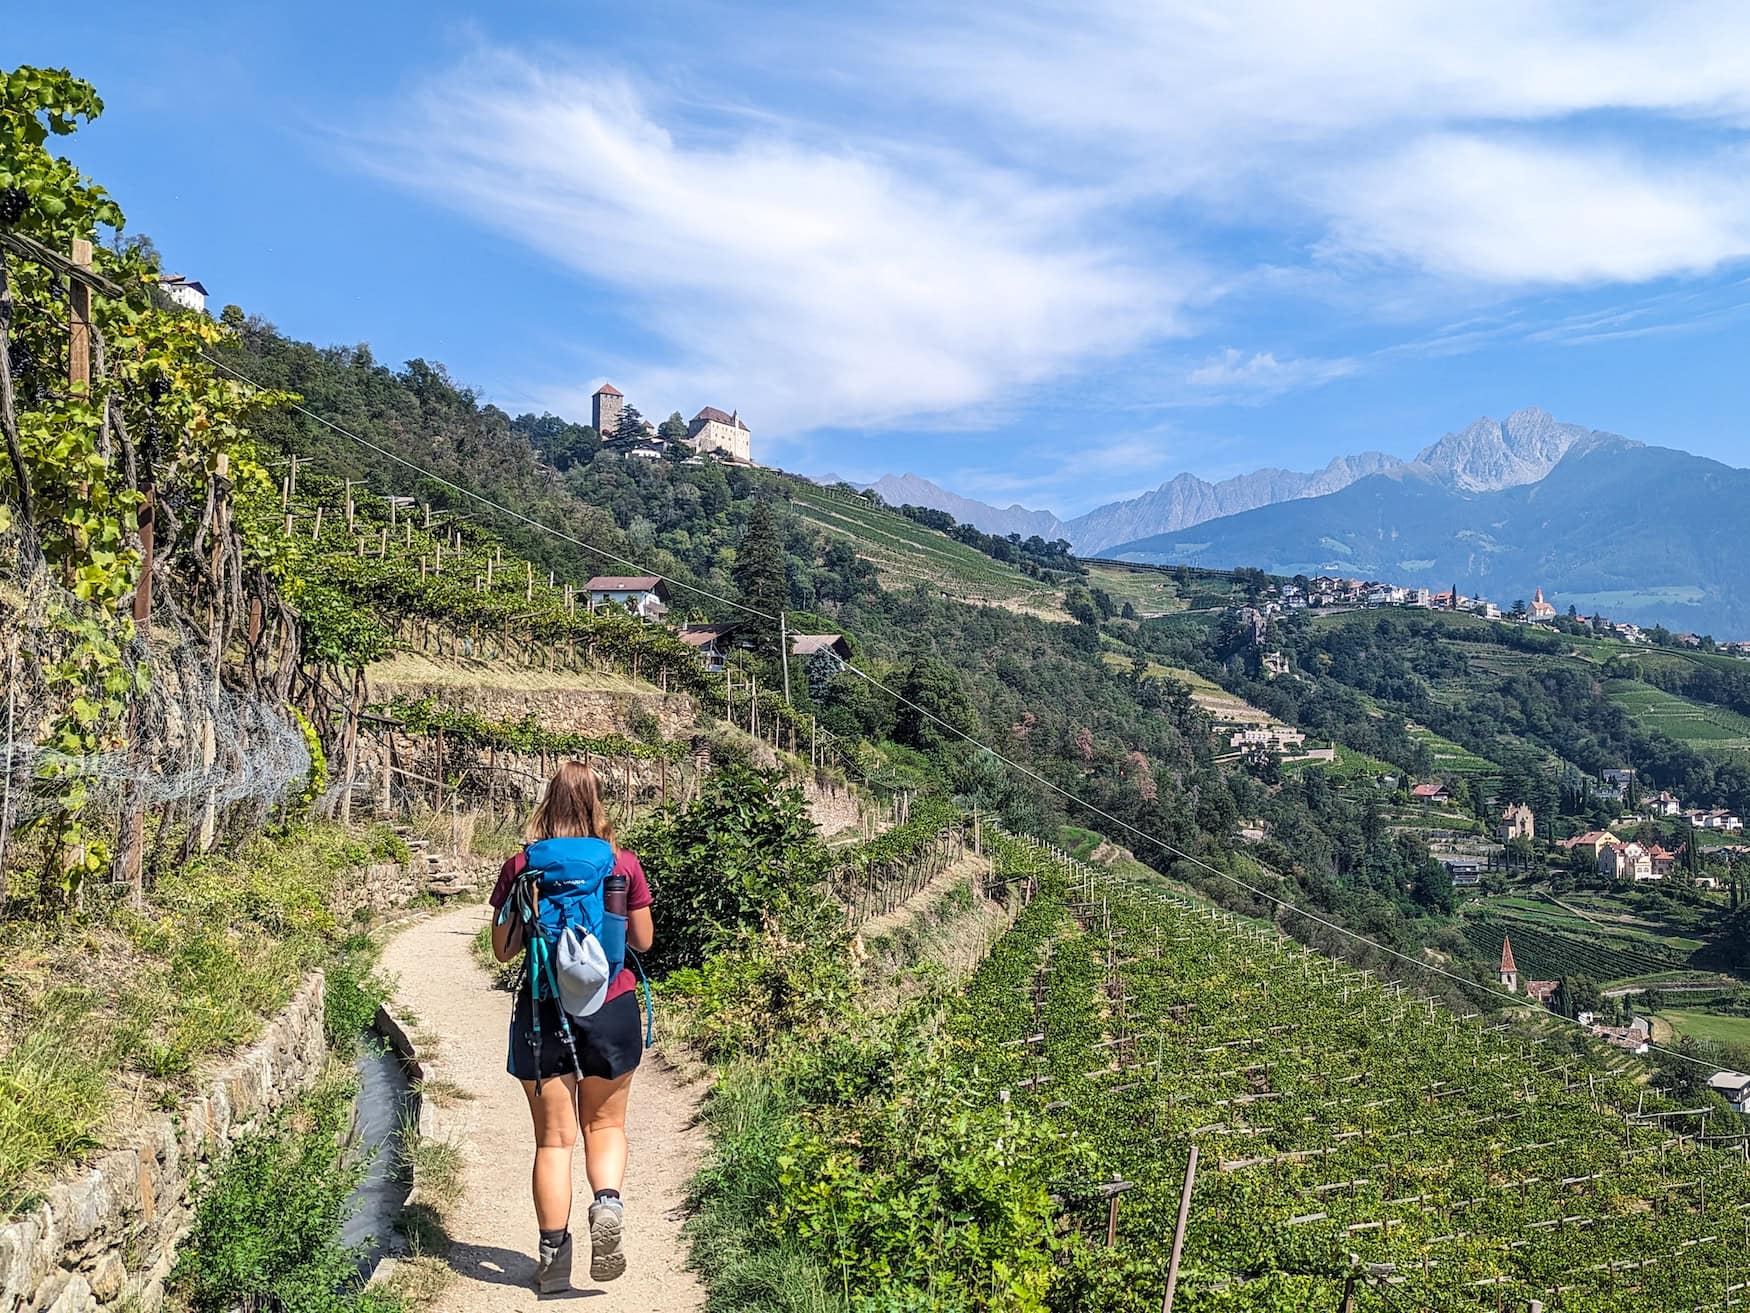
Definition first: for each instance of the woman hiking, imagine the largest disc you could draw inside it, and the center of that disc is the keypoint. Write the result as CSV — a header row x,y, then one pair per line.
x,y
574,1052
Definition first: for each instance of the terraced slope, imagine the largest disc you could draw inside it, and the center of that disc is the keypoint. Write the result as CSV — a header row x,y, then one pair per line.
x,y
1361,1149
1710,729
906,553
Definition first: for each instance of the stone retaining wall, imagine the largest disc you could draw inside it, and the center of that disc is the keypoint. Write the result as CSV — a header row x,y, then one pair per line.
x,y
106,1239
562,710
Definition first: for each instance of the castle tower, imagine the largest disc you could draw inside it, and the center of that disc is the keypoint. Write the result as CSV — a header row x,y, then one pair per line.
x,y
1509,970
605,409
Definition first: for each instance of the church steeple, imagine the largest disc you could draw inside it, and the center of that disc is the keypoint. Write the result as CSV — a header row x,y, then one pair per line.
x,y
1509,969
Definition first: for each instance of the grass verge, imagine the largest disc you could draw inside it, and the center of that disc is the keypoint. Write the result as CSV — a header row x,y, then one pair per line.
x,y
110,1011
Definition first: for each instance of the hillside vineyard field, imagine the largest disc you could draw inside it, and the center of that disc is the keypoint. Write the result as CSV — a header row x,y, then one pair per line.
x,y
1357,1142
908,553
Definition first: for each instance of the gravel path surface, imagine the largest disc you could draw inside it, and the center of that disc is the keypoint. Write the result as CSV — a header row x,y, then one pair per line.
x,y
493,1228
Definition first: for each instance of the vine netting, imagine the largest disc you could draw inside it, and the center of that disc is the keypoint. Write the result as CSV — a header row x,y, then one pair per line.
x,y
191,747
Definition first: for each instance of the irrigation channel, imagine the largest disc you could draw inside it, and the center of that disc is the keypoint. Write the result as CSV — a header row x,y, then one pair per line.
x,y
385,1105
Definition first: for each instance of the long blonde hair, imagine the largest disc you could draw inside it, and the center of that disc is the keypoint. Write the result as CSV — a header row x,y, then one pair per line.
x,y
572,808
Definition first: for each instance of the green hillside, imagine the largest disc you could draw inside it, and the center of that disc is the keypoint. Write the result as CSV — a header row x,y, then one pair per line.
x,y
937,1048
906,553
1707,728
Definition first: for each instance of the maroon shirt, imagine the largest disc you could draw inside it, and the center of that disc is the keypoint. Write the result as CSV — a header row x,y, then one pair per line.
x,y
637,896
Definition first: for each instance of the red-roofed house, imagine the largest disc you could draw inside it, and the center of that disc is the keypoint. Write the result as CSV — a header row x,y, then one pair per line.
x,y
1592,843
644,595
712,641
807,645
1427,793
1664,863
1626,861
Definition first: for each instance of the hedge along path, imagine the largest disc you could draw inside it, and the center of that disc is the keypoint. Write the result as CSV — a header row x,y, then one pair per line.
x,y
492,1227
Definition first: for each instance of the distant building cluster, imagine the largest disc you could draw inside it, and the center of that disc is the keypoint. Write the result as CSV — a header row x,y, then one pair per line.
x,y
709,433
1337,592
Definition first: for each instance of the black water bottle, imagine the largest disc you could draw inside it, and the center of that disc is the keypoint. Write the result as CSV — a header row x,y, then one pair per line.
x,y
614,894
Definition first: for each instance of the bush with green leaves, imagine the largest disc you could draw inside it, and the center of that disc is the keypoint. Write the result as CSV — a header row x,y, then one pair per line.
x,y
743,854
266,1231
352,993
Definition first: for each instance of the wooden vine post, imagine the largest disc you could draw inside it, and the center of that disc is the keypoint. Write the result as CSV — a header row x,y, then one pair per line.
x,y
1179,1231
350,737
79,320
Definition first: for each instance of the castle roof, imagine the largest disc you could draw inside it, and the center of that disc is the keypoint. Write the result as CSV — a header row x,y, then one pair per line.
x,y
608,390
1507,963
710,414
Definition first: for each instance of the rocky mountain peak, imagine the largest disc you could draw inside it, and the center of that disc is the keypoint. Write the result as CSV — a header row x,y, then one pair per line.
x,y
1489,454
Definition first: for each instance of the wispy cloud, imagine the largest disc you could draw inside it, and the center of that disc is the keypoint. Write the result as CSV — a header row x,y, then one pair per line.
x,y
808,285
924,216
1235,374
1072,481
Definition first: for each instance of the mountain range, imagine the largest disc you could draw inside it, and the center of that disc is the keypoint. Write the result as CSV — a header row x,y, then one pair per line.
x,y
1486,456
1647,534
1500,507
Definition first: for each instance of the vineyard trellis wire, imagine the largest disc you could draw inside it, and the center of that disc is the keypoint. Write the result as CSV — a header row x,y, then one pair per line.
x,y
1367,1143
196,747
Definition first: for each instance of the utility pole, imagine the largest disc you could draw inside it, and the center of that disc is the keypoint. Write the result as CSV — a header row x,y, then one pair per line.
x,y
784,653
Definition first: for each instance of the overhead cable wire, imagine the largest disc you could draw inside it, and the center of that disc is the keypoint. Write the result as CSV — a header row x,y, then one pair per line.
x,y
1161,844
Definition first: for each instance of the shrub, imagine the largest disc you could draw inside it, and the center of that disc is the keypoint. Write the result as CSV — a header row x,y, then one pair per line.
x,y
738,857
266,1229
352,993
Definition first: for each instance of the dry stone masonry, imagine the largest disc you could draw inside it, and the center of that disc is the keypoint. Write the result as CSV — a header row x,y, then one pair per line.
x,y
106,1239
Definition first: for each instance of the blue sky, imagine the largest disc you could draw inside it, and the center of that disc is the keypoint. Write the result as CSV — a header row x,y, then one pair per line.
x,y
1041,252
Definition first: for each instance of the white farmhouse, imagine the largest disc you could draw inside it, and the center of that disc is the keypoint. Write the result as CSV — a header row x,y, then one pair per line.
x,y
644,595
186,292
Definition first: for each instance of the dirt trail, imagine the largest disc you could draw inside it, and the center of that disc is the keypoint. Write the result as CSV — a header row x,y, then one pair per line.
x,y
493,1227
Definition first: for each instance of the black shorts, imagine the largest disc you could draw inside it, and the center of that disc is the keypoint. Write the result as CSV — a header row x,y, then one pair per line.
x,y
609,1043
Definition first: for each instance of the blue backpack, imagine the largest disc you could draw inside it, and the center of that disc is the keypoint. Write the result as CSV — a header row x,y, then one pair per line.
x,y
576,947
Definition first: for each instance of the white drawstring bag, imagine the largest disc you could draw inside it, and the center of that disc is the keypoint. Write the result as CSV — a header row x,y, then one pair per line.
x,y
582,968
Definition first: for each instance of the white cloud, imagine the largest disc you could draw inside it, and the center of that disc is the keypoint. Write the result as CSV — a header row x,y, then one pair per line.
x,y
1070,482
807,285
1505,141
1515,212
1261,374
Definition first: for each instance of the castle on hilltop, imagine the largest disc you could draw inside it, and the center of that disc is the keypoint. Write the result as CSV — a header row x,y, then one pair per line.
x,y
710,432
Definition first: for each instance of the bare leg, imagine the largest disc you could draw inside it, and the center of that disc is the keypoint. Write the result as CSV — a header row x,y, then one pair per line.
x,y
604,1130
555,1116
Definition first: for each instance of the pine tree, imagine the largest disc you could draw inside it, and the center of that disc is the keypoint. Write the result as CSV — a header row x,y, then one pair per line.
x,y
631,425
760,574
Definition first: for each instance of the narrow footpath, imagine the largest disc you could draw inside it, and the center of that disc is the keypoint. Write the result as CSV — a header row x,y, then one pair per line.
x,y
442,991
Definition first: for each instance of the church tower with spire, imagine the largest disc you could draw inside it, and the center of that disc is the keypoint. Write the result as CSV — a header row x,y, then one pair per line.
x,y
1509,969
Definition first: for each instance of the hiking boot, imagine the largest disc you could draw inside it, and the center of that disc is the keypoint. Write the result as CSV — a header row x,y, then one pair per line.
x,y
553,1267
607,1260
